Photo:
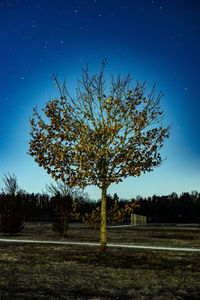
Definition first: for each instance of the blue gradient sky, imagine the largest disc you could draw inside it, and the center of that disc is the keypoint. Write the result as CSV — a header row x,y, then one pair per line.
x,y
156,41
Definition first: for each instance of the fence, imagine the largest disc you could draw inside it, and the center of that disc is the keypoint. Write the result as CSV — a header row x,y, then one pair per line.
x,y
138,220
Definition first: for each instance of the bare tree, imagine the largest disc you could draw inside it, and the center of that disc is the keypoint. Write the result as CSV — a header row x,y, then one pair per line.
x,y
64,190
11,216
11,185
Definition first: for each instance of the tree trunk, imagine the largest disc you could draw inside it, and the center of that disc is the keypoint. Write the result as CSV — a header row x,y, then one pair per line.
x,y
65,226
103,222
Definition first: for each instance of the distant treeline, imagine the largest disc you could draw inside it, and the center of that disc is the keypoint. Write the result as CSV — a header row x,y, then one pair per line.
x,y
171,209
165,209
34,206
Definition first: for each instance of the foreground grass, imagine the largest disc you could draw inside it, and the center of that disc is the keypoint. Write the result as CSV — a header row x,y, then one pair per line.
x,y
33,271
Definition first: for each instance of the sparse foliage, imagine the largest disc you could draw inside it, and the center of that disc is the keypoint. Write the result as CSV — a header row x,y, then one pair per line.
x,y
114,215
101,135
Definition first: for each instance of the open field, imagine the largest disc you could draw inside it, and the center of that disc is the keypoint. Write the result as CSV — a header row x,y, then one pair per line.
x,y
39,271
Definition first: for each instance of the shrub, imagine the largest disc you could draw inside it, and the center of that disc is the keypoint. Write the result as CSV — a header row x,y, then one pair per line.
x,y
62,211
11,218
11,222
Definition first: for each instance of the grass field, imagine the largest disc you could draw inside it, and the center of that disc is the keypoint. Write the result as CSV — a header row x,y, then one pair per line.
x,y
39,271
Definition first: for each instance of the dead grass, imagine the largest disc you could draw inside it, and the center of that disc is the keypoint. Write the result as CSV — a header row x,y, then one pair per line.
x,y
33,271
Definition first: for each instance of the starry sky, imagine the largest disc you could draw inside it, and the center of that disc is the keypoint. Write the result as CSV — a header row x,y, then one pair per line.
x,y
157,41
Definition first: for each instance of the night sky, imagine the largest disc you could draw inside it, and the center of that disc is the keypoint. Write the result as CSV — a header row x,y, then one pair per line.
x,y
156,41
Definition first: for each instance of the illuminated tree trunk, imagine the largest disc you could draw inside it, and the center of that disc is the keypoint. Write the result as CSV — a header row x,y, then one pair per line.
x,y
103,222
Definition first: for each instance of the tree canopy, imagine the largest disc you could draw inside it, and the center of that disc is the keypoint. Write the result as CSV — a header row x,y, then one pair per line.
x,y
98,139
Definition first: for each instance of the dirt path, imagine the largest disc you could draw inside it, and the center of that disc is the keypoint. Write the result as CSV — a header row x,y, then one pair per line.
x,y
97,244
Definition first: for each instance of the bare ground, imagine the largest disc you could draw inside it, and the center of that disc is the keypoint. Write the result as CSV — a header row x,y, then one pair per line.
x,y
35,271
